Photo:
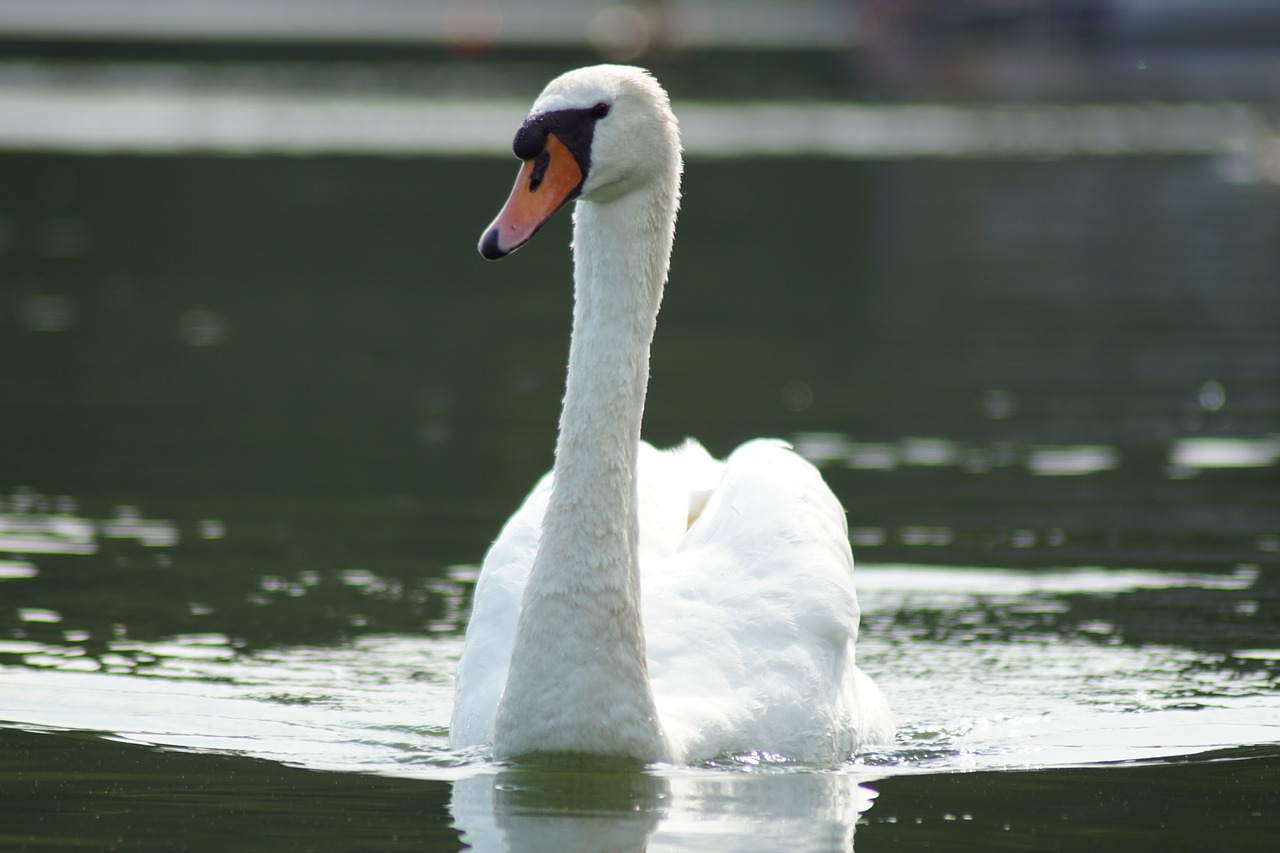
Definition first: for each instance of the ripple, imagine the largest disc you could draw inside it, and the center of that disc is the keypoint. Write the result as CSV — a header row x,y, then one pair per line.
x,y
1012,683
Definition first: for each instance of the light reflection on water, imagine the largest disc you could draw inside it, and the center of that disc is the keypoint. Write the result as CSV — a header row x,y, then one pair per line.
x,y
379,705
29,527
987,669
1192,453
983,667
993,671
765,810
1042,460
15,569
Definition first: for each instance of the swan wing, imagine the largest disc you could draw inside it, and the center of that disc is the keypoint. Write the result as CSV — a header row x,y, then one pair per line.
x,y
751,620
491,630
749,609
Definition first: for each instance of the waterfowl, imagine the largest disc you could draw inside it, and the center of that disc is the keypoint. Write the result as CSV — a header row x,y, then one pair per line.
x,y
654,605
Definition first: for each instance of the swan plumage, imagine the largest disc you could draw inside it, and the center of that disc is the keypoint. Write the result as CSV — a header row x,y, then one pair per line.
x,y
658,605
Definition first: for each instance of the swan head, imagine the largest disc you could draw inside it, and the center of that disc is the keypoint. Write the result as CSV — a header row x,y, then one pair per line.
x,y
596,134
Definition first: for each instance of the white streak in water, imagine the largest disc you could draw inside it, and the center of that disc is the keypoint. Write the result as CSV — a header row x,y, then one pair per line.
x,y
109,115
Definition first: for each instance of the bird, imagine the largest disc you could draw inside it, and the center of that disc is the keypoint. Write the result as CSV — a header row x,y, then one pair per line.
x,y
654,605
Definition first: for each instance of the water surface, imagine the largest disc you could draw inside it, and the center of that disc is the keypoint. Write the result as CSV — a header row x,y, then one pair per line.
x,y
262,416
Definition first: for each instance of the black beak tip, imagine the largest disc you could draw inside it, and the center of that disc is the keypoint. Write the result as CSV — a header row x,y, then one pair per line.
x,y
489,247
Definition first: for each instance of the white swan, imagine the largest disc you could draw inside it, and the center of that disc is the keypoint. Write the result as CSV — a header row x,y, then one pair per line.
x,y
661,606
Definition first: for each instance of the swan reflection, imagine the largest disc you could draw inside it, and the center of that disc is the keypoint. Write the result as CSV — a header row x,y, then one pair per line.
x,y
623,809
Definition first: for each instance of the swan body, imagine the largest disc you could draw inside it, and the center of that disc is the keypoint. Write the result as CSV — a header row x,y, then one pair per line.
x,y
656,605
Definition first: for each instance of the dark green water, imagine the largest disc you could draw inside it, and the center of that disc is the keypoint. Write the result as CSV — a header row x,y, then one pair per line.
x,y
255,413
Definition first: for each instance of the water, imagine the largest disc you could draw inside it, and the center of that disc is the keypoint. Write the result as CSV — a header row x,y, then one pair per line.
x,y
262,416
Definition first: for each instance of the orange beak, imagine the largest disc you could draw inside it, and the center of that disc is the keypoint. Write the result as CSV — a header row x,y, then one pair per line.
x,y
544,184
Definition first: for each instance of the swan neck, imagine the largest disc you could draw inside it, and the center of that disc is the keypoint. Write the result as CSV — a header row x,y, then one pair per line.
x,y
620,268
578,680
616,298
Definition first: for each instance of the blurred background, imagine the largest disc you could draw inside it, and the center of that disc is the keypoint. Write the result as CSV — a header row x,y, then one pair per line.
x,y
1008,271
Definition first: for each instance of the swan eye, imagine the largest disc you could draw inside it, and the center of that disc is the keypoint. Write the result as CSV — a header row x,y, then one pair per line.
x,y
540,164
600,110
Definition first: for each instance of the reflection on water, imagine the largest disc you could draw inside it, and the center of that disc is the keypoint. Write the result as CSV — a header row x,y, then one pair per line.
x,y
13,569
1070,685
1079,459
27,526
378,706
1185,454
523,809
518,809
1065,537
1041,460
1193,453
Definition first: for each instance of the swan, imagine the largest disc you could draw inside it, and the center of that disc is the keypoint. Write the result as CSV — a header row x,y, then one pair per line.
x,y
653,605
